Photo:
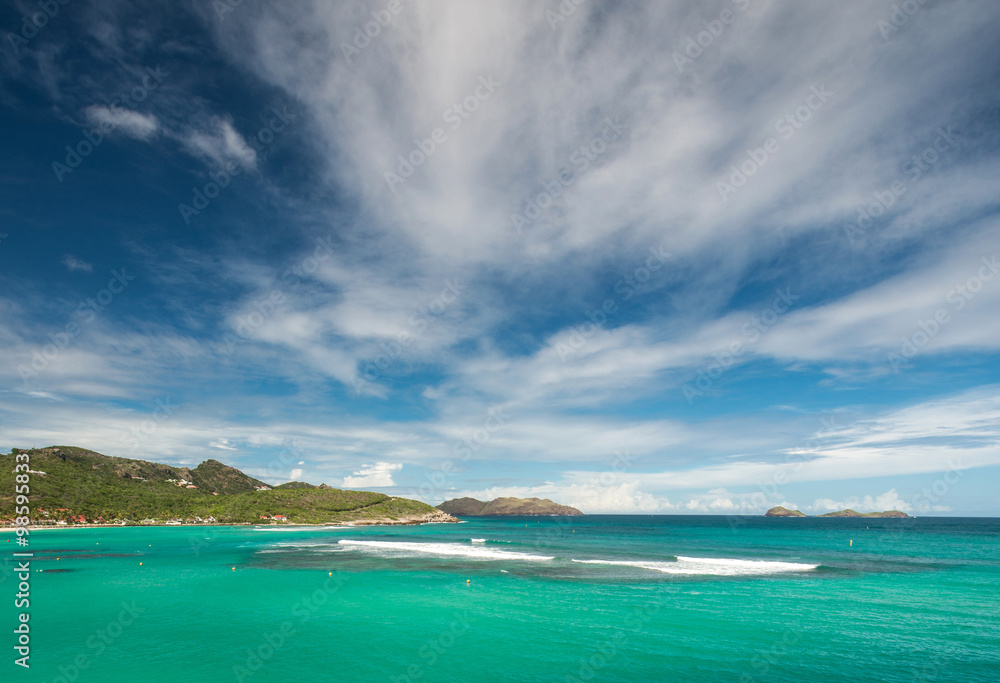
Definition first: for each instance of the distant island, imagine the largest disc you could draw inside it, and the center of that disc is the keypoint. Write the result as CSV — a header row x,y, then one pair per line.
x,y
785,512
75,486
506,507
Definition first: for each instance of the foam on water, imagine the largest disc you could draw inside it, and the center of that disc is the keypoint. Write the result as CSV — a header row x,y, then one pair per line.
x,y
303,545
449,549
711,566
288,549
477,540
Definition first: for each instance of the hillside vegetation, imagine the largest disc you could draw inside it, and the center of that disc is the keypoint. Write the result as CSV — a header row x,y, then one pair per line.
x,y
81,483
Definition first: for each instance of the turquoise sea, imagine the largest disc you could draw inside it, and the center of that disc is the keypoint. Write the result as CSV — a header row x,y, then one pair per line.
x,y
598,598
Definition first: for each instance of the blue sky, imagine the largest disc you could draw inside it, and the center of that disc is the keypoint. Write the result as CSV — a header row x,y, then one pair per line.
x,y
680,257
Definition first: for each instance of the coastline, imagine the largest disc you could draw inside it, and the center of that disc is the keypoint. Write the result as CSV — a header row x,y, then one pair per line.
x,y
425,519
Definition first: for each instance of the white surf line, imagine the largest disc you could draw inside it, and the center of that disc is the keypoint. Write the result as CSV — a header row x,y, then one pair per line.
x,y
450,549
711,566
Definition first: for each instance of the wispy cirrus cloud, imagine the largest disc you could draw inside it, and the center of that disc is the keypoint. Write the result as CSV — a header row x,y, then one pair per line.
x,y
429,306
128,122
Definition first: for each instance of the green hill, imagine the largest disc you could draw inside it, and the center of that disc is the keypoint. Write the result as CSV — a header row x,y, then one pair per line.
x,y
68,482
466,507
212,475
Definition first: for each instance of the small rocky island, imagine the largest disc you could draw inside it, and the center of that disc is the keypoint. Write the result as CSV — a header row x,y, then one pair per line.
x,y
785,512
506,507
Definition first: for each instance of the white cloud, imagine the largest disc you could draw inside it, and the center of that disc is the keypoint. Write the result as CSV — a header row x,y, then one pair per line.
x,y
889,500
127,122
376,475
74,264
218,143
223,444
655,185
294,475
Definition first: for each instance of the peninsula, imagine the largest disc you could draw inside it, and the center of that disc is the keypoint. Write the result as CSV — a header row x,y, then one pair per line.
x,y
74,486
506,507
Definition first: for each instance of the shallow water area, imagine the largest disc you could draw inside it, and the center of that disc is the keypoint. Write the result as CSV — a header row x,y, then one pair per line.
x,y
653,598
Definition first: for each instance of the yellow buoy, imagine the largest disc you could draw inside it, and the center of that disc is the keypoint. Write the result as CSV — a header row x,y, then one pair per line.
x,y
468,581
852,542
140,564
329,573
234,568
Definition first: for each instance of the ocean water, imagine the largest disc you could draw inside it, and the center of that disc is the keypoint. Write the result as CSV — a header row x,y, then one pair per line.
x,y
598,598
